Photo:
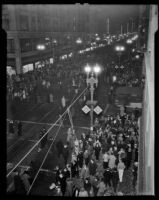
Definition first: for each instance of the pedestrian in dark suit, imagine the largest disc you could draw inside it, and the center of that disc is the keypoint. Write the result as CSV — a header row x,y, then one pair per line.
x,y
135,169
60,148
87,186
107,177
92,167
19,185
115,179
11,127
19,128
97,149
129,157
62,180
80,159
65,153
136,153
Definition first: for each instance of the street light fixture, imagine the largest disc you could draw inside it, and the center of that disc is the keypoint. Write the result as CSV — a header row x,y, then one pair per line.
x,y
79,41
119,50
96,69
137,56
129,41
40,47
87,69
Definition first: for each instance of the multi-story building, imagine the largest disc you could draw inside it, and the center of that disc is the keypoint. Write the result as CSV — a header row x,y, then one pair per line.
x,y
29,25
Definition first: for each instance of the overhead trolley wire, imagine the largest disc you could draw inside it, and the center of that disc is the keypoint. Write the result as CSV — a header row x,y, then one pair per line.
x,y
45,156
45,133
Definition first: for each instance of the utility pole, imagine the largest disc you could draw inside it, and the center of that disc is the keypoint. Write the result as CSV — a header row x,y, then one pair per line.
x,y
121,30
92,81
108,28
127,27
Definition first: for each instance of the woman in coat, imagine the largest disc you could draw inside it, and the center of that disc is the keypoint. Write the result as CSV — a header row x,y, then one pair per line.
x,y
120,167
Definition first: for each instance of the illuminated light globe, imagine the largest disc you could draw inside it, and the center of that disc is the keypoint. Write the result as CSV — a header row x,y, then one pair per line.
x,y
137,56
87,69
129,41
78,41
40,47
117,48
122,48
114,78
96,69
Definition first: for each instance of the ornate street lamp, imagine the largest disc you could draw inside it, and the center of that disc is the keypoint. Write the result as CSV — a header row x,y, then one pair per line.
x,y
119,50
93,71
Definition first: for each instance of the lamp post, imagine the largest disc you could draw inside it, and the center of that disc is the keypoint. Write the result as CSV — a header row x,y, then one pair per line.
x,y
119,50
92,80
129,42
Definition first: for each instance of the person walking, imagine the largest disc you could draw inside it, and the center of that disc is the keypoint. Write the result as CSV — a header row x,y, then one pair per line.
x,y
107,177
83,193
44,140
59,147
105,160
84,172
120,167
115,179
134,171
92,167
19,128
18,183
25,178
97,149
65,153
11,127
101,187
112,160
87,186
62,180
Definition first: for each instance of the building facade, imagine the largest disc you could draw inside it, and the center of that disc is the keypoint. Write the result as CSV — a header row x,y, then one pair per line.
x,y
27,26
146,176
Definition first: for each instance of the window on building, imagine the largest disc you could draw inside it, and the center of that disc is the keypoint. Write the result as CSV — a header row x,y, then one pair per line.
x,y
10,46
24,24
26,45
33,24
5,24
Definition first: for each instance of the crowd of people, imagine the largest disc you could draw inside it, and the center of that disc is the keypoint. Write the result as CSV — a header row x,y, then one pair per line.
x,y
64,78
98,160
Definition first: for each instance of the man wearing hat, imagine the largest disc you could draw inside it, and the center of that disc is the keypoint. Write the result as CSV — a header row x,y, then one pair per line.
x,y
19,128
65,153
11,127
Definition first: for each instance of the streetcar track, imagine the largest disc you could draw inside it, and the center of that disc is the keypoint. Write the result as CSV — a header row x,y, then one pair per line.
x,y
11,146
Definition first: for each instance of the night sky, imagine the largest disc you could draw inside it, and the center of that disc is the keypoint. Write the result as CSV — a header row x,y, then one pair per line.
x,y
118,14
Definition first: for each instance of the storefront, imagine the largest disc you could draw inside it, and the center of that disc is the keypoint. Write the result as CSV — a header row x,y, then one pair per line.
x,y
27,68
11,70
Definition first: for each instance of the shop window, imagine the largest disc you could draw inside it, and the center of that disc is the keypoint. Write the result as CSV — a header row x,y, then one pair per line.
x,y
10,71
5,24
26,45
27,68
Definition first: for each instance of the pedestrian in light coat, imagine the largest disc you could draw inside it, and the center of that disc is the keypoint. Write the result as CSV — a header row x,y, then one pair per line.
x,y
120,167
